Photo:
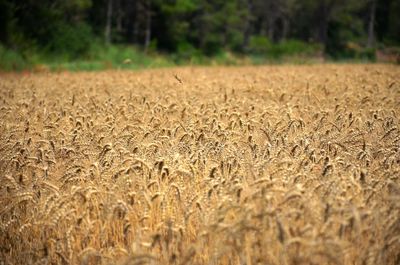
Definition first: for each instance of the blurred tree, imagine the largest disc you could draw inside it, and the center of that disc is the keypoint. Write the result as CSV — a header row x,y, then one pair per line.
x,y
176,22
388,21
371,24
38,23
206,26
107,32
6,20
220,24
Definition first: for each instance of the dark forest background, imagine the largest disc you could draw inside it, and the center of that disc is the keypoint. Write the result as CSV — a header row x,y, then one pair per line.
x,y
179,31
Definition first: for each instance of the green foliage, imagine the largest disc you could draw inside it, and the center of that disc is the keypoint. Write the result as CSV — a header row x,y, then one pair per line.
x,y
73,41
221,26
226,58
295,47
346,37
187,52
261,46
355,51
394,24
176,14
123,57
11,60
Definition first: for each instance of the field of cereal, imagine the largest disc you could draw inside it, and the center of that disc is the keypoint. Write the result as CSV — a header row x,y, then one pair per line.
x,y
242,165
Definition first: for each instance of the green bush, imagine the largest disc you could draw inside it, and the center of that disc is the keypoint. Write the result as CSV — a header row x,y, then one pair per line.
x,y
123,56
72,41
368,54
118,54
261,45
353,50
11,60
186,52
294,47
226,58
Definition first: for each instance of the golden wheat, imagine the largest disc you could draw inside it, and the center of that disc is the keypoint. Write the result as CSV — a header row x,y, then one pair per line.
x,y
249,165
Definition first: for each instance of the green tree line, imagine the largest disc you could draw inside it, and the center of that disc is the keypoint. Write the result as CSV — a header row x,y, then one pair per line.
x,y
189,27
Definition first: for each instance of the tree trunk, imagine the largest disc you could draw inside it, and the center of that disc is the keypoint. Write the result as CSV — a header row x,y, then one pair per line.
x,y
271,28
285,27
107,32
247,27
148,26
203,31
323,31
371,25
324,11
135,30
323,24
120,15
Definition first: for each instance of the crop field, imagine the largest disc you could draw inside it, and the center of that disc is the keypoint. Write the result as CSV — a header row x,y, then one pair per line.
x,y
219,165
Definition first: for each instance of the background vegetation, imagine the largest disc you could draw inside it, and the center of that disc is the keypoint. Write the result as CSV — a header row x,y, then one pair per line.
x,y
124,33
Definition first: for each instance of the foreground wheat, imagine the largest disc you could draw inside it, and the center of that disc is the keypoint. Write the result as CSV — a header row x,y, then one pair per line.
x,y
269,165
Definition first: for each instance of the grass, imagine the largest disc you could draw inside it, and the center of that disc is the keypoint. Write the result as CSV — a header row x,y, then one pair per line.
x,y
99,57
103,57
11,60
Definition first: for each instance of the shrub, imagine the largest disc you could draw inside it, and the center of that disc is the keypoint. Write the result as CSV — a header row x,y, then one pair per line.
x,y
259,45
11,60
263,46
71,40
186,51
295,47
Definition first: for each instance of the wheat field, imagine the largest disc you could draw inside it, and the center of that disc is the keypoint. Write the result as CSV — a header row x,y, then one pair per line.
x,y
242,165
